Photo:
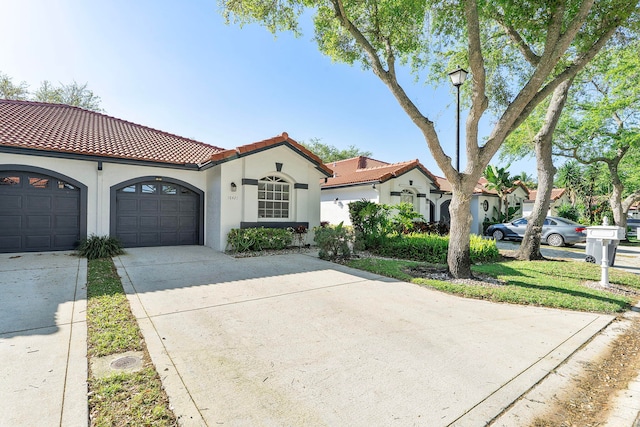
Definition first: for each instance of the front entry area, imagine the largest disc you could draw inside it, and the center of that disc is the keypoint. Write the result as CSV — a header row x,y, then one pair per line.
x,y
157,213
39,212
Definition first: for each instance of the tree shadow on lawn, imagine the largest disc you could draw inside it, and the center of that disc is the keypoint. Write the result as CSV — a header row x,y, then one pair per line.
x,y
599,293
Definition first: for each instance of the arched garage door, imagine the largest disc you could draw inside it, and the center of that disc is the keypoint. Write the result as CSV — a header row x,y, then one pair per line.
x,y
157,213
40,212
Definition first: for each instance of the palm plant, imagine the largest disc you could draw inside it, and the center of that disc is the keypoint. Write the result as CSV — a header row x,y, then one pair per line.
x,y
498,179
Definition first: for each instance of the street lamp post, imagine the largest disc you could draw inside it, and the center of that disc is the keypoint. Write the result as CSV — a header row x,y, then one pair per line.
x,y
457,78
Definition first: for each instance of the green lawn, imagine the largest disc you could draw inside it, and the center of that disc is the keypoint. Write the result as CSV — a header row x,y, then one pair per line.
x,y
555,284
127,398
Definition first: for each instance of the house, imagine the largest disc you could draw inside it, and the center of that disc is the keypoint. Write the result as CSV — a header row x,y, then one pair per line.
x,y
67,173
380,182
559,197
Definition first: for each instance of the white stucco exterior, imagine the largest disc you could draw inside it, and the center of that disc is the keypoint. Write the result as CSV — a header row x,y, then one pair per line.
x,y
223,208
335,200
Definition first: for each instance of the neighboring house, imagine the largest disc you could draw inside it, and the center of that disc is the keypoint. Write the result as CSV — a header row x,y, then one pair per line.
x,y
380,182
559,196
484,202
67,173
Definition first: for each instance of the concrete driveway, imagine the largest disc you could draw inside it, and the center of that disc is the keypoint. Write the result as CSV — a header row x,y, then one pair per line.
x,y
292,340
43,347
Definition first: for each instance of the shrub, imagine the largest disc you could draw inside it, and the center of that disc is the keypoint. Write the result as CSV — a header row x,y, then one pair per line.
x,y
96,247
565,210
417,247
258,239
440,228
405,218
333,241
483,250
433,249
370,221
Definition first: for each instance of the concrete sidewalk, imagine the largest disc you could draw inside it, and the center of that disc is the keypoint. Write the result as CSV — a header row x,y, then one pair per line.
x,y
43,340
293,340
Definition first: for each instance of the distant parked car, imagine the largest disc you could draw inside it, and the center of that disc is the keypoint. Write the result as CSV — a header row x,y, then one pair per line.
x,y
556,231
632,226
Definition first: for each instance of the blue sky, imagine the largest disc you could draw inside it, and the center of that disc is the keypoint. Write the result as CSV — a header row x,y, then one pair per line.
x,y
176,66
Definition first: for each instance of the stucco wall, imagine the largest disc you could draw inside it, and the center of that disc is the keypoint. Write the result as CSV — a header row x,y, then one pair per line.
x,y
99,182
242,205
223,208
336,211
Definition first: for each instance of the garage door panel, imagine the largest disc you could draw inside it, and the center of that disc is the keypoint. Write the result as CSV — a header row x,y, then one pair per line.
x,y
39,222
169,222
169,239
127,222
66,204
11,243
170,206
127,205
148,205
186,238
128,239
188,206
147,222
10,222
187,222
149,239
67,221
165,214
41,203
65,240
35,242
10,202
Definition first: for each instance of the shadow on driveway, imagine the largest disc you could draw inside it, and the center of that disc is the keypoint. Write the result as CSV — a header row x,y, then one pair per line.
x,y
294,340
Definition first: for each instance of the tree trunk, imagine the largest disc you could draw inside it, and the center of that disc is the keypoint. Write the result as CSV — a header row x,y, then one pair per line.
x,y
506,208
459,255
530,246
615,201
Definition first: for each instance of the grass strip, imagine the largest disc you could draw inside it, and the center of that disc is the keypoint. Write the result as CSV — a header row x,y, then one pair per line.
x,y
556,284
123,398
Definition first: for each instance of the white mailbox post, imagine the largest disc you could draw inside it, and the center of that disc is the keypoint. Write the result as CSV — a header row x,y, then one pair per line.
x,y
605,234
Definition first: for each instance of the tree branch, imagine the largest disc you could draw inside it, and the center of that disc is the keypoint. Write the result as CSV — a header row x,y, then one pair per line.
x,y
515,37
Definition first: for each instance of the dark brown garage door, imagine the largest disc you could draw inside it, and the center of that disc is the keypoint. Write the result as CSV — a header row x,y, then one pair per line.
x,y
157,214
38,213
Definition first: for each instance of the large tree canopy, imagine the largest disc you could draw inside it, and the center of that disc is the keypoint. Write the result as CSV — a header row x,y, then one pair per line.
x,y
518,53
329,153
603,125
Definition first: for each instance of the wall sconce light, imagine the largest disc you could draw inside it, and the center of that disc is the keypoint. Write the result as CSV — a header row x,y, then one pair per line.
x,y
234,187
410,182
373,186
335,201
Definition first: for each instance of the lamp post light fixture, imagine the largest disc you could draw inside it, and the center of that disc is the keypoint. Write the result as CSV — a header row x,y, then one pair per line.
x,y
457,78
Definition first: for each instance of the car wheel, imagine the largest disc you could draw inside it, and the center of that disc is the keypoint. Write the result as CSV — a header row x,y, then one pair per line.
x,y
498,235
555,240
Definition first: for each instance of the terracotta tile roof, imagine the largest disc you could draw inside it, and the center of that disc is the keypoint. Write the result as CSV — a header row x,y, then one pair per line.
x,y
268,143
364,169
62,128
444,184
556,193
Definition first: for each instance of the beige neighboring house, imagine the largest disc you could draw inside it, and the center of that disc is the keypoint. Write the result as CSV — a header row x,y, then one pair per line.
x,y
377,181
484,202
67,173
559,196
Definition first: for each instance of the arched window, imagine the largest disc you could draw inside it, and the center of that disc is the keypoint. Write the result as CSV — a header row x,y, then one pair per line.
x,y
406,197
273,197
